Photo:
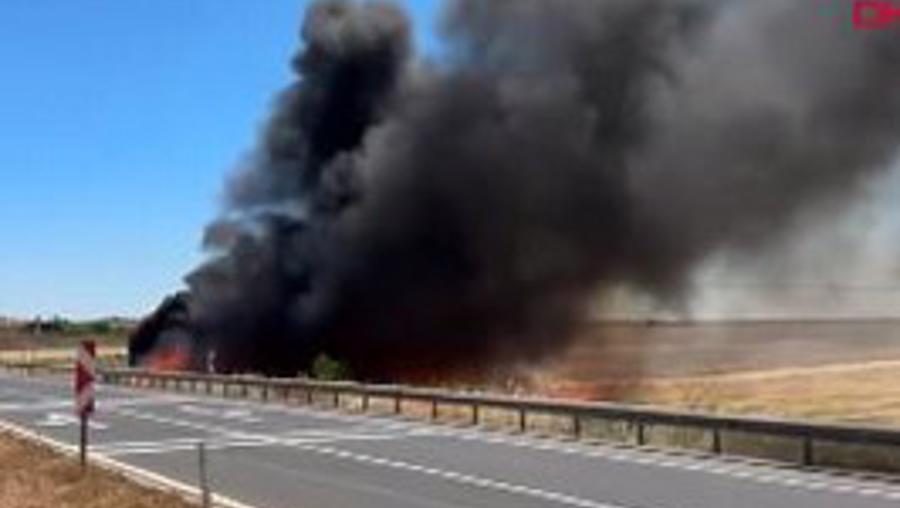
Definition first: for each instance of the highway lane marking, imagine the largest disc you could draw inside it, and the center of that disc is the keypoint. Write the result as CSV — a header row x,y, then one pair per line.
x,y
737,470
239,415
743,471
292,439
59,420
461,478
795,479
234,438
760,474
47,404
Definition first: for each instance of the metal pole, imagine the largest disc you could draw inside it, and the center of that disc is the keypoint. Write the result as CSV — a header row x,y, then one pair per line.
x,y
808,454
717,441
83,440
203,476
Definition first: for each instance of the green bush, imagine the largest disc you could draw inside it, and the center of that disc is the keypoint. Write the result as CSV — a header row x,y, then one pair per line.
x,y
326,368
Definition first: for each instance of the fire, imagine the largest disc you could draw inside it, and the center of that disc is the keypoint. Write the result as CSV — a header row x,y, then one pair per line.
x,y
169,358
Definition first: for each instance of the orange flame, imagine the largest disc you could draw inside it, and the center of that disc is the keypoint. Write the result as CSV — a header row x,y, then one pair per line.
x,y
169,358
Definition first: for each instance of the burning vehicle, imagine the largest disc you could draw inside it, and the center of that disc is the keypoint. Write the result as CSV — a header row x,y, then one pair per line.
x,y
420,217
166,339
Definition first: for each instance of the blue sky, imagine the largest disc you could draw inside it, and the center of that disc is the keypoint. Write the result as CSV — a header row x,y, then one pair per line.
x,y
118,123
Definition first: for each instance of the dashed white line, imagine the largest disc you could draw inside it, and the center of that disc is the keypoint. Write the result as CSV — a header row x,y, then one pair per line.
x,y
462,478
814,482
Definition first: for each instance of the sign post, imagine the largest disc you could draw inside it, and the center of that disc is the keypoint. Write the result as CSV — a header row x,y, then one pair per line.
x,y
84,392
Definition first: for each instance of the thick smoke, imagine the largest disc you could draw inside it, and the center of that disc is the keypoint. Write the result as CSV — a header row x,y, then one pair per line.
x,y
422,219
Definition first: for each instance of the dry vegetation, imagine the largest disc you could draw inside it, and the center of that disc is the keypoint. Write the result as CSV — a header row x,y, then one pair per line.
x,y
844,371
860,392
32,476
15,338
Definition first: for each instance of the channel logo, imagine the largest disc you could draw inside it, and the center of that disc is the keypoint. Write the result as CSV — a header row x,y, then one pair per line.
x,y
875,14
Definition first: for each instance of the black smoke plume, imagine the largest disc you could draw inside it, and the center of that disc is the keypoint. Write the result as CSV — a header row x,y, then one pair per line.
x,y
419,218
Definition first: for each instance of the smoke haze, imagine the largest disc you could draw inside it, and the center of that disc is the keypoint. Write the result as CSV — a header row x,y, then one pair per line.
x,y
422,219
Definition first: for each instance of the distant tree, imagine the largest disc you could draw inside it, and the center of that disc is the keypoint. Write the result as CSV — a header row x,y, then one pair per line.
x,y
326,368
100,327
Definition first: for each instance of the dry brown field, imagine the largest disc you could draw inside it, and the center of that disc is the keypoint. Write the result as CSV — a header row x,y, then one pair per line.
x,y
32,476
15,338
848,371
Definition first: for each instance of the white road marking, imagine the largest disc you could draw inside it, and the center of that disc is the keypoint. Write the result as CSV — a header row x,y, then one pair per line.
x,y
758,473
223,442
461,478
239,415
59,420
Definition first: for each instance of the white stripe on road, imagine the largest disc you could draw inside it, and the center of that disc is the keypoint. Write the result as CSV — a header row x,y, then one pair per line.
x,y
739,470
460,478
234,441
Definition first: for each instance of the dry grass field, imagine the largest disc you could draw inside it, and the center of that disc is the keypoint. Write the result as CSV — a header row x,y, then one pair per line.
x,y
34,477
844,371
867,392
14,338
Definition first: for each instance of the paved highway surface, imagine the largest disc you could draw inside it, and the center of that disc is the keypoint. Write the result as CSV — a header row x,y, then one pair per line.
x,y
279,456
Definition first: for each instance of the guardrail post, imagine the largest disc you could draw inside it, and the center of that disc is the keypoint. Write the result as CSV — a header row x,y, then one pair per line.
x,y
576,425
434,409
337,398
365,402
398,403
475,414
265,391
640,436
808,452
523,420
208,386
717,441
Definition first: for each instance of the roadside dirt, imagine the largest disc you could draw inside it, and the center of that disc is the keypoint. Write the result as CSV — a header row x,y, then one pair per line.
x,y
32,476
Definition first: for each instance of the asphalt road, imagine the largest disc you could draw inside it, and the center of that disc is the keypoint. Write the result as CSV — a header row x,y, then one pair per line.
x,y
278,456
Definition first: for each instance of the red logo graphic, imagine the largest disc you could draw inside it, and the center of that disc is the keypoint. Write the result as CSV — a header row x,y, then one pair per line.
x,y
875,14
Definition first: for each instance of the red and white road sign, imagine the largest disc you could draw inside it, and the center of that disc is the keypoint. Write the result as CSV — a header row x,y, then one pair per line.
x,y
84,378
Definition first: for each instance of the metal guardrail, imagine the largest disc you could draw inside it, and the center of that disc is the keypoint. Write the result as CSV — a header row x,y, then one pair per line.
x,y
637,418
30,368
